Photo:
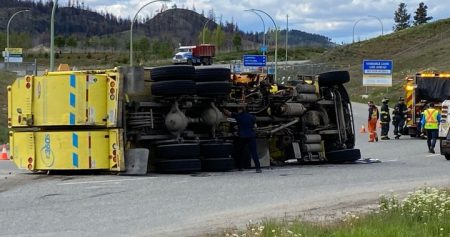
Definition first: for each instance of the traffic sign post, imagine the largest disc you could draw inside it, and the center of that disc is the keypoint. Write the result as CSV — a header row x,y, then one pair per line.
x,y
377,73
255,60
13,55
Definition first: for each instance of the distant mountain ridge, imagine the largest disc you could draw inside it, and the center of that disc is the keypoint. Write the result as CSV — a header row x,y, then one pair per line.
x,y
175,25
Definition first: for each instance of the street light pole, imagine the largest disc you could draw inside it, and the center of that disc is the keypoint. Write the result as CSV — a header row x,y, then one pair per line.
x,y
379,20
276,39
381,23
131,28
203,32
264,28
287,35
52,37
7,35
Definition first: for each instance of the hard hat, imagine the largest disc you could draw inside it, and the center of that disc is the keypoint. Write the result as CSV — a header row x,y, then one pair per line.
x,y
385,100
401,99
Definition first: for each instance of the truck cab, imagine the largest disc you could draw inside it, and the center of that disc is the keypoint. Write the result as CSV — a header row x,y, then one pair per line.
x,y
183,55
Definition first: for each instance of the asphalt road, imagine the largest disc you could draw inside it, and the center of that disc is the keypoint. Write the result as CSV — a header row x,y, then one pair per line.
x,y
187,205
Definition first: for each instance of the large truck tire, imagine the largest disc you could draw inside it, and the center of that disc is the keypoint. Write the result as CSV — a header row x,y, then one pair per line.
x,y
213,88
217,164
333,78
174,72
178,166
447,156
342,156
212,74
178,151
212,150
173,88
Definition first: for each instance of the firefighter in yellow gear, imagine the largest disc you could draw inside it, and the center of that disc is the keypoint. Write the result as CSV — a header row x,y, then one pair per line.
x,y
430,122
372,121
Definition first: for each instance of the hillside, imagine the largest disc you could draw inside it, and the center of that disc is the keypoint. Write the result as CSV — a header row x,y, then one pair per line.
x,y
76,19
424,47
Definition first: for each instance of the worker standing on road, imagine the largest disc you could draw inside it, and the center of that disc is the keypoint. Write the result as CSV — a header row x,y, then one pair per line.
x,y
247,137
372,122
430,120
399,117
385,119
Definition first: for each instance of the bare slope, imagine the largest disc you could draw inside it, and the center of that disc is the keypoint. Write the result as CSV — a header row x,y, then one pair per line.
x,y
425,47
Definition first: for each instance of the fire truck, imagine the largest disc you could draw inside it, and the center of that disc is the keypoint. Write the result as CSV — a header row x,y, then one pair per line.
x,y
422,89
168,119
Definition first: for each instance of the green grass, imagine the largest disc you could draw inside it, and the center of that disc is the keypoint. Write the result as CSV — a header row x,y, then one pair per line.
x,y
424,213
6,78
415,49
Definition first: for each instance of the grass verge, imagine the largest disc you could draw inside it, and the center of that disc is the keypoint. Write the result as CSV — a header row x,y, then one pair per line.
x,y
425,213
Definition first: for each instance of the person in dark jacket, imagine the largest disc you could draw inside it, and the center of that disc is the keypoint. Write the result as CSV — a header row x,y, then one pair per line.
x,y
385,119
399,117
247,137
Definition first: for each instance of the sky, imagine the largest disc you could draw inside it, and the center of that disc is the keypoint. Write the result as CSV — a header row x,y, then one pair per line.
x,y
341,20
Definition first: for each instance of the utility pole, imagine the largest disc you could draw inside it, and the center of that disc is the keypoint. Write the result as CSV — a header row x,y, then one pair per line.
x,y
287,35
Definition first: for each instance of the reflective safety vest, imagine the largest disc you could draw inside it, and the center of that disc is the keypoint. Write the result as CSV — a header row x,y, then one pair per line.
x,y
374,114
431,119
274,89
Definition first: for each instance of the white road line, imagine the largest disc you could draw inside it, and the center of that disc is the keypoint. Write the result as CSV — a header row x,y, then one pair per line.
x,y
390,161
433,155
105,181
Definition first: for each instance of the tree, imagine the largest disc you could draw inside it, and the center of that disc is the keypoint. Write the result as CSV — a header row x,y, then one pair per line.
x,y
401,18
72,43
60,42
237,42
218,37
421,15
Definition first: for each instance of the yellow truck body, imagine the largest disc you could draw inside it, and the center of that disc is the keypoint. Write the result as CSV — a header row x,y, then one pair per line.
x,y
68,150
85,98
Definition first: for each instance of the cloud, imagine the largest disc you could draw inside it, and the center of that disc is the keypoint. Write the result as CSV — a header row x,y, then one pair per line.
x,y
332,18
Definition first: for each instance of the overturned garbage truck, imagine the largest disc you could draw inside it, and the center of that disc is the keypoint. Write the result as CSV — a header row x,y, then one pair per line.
x,y
169,120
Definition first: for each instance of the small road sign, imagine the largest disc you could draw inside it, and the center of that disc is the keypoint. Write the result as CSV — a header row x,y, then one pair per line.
x,y
255,60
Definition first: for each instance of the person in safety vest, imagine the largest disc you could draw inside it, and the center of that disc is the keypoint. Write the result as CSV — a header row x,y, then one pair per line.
x,y
399,117
372,122
430,122
385,119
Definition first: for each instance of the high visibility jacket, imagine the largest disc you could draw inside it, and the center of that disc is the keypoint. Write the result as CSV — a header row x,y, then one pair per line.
x,y
373,113
430,119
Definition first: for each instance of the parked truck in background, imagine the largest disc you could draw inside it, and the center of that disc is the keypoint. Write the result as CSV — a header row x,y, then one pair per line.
x,y
195,55
444,131
169,119
422,89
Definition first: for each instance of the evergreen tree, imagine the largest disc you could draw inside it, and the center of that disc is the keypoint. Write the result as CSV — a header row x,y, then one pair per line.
x,y
421,15
401,18
237,42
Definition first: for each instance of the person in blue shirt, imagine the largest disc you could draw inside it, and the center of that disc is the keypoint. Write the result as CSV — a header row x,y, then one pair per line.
x,y
430,122
247,137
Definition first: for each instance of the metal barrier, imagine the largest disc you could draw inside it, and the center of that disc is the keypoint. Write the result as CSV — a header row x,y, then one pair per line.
x,y
22,69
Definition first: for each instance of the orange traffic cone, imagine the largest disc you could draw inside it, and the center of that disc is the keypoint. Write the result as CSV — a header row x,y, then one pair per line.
x,y
363,129
4,155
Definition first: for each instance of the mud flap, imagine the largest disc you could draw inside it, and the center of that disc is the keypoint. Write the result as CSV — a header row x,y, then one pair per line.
x,y
136,161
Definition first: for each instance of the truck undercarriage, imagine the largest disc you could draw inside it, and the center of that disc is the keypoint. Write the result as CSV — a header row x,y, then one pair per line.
x,y
169,119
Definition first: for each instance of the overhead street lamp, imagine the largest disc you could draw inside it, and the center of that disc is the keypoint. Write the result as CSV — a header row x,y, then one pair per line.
x,y
7,35
276,39
379,20
132,24
264,27
203,31
52,37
